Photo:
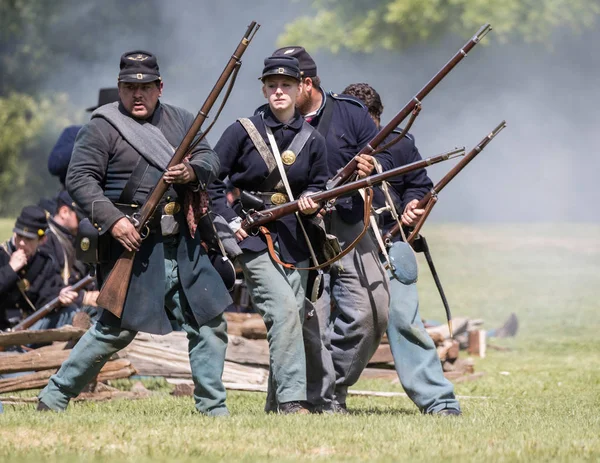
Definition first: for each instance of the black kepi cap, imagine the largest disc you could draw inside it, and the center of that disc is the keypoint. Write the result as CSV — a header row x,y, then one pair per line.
x,y
138,66
64,199
308,67
281,66
105,96
31,223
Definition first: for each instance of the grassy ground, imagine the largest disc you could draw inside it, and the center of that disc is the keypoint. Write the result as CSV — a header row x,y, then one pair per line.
x,y
543,396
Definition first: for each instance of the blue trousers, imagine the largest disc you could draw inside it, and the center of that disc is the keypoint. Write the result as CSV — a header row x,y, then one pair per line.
x,y
206,346
351,317
415,357
278,295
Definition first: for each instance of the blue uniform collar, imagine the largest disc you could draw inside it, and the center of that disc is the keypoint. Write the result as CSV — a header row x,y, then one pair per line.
x,y
271,121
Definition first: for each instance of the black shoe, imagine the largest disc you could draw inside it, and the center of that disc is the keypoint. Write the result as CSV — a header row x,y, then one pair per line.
x,y
42,407
448,412
339,408
293,408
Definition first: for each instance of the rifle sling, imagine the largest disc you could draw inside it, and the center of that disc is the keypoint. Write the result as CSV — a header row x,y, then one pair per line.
x,y
134,182
367,213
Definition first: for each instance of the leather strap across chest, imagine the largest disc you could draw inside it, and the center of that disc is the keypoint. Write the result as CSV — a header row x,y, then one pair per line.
x,y
273,180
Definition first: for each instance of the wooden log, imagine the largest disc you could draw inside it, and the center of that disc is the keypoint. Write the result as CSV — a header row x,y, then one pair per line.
x,y
448,350
254,328
379,373
35,360
19,338
459,325
477,341
248,351
459,366
151,359
383,355
236,319
114,369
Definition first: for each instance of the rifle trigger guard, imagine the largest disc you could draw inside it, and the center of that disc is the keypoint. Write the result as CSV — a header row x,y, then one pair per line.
x,y
145,232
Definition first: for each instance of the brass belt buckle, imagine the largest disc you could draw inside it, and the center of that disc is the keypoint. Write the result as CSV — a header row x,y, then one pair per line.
x,y
171,208
279,198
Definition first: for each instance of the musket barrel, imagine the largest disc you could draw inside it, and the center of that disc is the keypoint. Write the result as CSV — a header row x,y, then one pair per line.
x,y
274,213
450,175
347,171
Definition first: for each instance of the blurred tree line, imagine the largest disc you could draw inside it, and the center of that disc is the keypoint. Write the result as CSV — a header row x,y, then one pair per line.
x,y
368,25
36,38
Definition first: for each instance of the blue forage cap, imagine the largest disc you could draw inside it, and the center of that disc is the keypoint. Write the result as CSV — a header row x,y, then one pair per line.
x,y
32,222
307,65
281,66
138,66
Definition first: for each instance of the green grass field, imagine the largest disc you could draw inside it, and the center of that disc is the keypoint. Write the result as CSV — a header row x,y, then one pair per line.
x,y
542,398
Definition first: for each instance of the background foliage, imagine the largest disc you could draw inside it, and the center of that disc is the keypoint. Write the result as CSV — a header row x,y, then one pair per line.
x,y
36,38
367,25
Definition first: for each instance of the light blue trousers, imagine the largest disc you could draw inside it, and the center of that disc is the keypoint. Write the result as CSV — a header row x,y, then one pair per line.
x,y
415,357
207,346
278,295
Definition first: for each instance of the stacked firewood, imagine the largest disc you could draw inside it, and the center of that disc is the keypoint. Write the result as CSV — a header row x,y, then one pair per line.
x,y
248,333
247,359
32,369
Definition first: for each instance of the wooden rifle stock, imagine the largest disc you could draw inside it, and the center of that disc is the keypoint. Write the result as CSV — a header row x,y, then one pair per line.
x,y
259,218
50,306
114,290
426,201
346,172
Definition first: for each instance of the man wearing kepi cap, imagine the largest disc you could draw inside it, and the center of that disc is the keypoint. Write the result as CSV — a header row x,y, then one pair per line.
x,y
60,244
28,275
257,153
118,158
357,283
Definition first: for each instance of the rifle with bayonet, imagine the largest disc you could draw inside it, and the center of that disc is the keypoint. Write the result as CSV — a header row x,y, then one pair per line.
x,y
50,306
412,106
114,290
255,219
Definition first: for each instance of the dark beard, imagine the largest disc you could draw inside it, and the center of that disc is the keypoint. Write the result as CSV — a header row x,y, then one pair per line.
x,y
307,103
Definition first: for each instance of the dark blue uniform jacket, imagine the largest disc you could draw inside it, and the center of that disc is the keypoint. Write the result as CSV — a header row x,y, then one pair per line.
x,y
414,185
42,277
241,161
350,130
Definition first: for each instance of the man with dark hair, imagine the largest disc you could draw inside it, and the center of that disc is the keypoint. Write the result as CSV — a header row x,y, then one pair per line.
x,y
118,158
415,356
357,284
28,275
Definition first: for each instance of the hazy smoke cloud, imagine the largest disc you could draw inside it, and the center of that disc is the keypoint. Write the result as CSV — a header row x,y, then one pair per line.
x,y
542,167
